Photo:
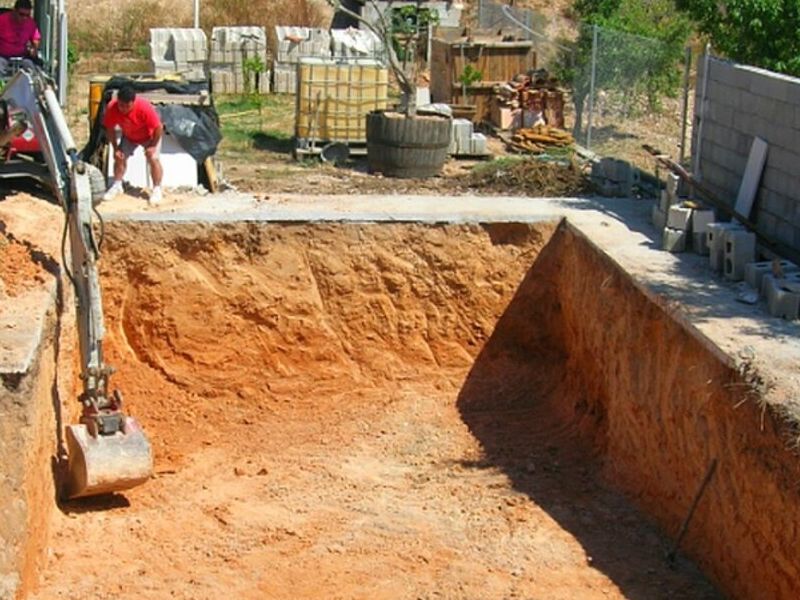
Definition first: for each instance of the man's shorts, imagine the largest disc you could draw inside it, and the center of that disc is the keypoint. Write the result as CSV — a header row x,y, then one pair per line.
x,y
128,147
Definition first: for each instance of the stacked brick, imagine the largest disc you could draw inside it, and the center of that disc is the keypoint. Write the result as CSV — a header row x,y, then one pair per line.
x,y
292,44
235,52
179,51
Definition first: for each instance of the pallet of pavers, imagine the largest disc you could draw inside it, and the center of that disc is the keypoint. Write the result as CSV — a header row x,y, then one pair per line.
x,y
234,53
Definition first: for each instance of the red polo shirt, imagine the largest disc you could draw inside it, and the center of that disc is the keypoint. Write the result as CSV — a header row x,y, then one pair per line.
x,y
15,34
138,125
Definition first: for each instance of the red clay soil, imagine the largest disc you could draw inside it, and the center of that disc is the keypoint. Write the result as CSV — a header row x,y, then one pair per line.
x,y
331,419
18,270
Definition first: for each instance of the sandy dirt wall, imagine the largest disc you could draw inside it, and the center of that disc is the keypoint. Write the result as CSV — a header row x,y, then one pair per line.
x,y
30,411
662,403
320,428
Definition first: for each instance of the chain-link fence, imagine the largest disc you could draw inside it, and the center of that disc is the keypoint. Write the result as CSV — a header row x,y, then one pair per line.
x,y
629,90
626,90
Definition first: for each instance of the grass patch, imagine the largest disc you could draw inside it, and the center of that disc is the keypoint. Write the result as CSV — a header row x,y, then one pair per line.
x,y
256,122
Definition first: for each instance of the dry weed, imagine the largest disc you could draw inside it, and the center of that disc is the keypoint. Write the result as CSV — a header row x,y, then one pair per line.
x,y
104,25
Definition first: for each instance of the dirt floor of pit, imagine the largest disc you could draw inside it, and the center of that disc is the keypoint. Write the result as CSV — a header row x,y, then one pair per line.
x,y
305,389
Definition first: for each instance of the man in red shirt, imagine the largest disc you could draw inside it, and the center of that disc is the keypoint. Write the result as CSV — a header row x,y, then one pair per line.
x,y
141,126
19,35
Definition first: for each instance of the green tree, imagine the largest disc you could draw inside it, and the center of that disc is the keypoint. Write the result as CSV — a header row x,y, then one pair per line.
x,y
640,50
763,33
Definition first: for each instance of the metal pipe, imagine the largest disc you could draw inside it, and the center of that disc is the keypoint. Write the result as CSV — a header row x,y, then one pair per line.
x,y
196,14
685,110
591,88
701,117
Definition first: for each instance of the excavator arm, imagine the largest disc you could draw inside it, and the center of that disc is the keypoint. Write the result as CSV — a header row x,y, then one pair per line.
x,y
107,450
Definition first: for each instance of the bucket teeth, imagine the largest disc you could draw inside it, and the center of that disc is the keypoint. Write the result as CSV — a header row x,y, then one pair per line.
x,y
107,463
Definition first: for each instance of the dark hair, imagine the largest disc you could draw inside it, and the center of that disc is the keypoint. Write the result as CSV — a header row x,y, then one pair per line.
x,y
126,93
23,4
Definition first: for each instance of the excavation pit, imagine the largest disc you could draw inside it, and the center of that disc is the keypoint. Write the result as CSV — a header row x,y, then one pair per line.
x,y
414,410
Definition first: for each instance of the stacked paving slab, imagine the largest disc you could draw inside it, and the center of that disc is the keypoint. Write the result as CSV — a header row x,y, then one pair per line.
x,y
291,45
232,49
179,50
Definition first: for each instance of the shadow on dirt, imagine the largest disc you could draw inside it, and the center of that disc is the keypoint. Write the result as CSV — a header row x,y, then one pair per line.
x,y
273,143
517,402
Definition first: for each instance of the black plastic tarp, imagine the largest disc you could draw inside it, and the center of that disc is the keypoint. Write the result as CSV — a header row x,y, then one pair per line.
x,y
195,127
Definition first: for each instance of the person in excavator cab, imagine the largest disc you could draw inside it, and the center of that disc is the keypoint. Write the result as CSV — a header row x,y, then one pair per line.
x,y
19,37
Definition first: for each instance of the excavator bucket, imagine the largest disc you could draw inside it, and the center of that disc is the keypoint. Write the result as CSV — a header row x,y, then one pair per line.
x,y
107,463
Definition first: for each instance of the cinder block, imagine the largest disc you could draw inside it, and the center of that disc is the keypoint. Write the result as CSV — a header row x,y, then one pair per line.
x,y
679,217
740,249
699,243
673,181
715,240
754,272
701,219
478,143
674,240
666,201
782,295
659,218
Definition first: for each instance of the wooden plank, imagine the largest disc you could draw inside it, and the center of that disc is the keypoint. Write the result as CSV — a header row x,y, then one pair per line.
x,y
752,177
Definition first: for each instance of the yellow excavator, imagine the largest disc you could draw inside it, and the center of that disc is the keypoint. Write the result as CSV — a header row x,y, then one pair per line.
x,y
107,449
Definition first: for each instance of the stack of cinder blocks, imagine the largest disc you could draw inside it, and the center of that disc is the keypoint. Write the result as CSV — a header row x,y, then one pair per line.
x,y
614,177
464,141
179,50
683,226
292,44
236,52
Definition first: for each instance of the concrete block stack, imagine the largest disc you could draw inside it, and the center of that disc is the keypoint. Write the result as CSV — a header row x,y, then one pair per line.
x,y
179,50
464,141
614,177
353,43
290,45
716,234
232,49
682,222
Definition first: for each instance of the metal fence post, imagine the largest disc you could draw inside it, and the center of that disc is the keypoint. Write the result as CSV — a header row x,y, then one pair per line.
x,y
685,110
591,88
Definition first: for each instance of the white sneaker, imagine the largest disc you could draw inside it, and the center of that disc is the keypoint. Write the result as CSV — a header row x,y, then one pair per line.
x,y
155,197
114,191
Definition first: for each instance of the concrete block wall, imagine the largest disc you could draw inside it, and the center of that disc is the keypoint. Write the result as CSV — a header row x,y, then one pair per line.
x,y
743,102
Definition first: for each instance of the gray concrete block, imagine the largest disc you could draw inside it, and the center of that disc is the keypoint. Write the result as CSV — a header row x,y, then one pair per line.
x,y
715,240
754,272
664,201
740,249
782,295
679,217
721,114
775,88
699,243
785,232
658,218
673,181
674,240
701,219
